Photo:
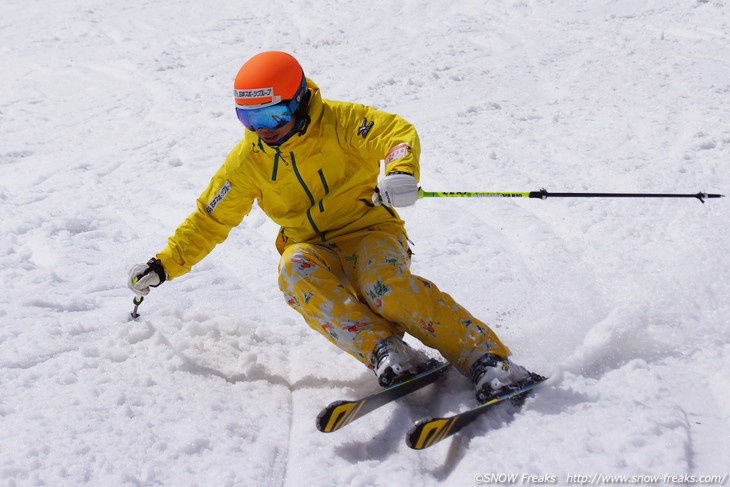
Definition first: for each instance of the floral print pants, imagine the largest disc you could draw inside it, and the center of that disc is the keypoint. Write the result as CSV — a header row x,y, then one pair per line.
x,y
358,290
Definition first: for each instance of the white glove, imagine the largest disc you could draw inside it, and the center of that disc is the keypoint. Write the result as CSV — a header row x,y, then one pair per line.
x,y
396,189
144,276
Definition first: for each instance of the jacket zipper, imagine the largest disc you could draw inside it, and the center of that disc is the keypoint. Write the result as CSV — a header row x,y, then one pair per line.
x,y
309,195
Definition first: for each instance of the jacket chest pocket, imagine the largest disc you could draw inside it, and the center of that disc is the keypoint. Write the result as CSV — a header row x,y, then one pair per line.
x,y
317,177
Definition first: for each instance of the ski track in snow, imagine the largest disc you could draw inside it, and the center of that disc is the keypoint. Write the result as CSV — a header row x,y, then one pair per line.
x,y
114,116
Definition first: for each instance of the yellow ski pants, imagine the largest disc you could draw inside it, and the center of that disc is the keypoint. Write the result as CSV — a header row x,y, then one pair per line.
x,y
358,290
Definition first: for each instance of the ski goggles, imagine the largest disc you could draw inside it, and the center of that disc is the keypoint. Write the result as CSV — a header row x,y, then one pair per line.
x,y
272,117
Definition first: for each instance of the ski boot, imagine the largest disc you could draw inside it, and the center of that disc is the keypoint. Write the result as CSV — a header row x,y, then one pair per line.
x,y
395,361
494,376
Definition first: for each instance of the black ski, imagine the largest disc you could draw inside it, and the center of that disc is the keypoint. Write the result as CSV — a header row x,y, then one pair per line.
x,y
429,431
342,413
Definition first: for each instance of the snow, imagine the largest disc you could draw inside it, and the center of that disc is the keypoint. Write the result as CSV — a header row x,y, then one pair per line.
x,y
114,115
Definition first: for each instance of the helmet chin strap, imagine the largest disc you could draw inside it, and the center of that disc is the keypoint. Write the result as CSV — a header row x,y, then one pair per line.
x,y
302,120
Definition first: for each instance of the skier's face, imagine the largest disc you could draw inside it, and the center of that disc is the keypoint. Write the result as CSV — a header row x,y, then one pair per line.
x,y
273,136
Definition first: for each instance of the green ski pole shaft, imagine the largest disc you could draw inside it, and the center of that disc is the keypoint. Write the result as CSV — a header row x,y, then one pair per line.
x,y
470,194
136,301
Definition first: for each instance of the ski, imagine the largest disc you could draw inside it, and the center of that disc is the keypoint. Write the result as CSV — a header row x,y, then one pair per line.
x,y
341,413
429,431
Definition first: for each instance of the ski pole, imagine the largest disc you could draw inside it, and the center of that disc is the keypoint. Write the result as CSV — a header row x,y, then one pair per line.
x,y
544,194
137,301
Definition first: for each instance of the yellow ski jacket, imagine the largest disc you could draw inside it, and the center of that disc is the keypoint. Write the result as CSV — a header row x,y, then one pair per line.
x,y
316,186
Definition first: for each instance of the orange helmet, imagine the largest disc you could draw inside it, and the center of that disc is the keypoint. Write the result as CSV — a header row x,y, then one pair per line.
x,y
268,78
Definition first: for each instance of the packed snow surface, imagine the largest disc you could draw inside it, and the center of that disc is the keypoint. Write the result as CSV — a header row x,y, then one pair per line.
x,y
114,115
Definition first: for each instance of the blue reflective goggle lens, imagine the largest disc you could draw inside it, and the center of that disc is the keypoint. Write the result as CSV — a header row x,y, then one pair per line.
x,y
271,118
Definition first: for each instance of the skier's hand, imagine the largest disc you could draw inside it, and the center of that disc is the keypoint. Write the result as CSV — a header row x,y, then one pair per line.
x,y
144,276
396,189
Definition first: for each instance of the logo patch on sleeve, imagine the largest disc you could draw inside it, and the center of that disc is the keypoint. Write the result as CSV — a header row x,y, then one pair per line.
x,y
365,128
218,198
397,152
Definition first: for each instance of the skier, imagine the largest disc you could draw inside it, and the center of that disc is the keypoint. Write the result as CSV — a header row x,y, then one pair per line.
x,y
312,165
